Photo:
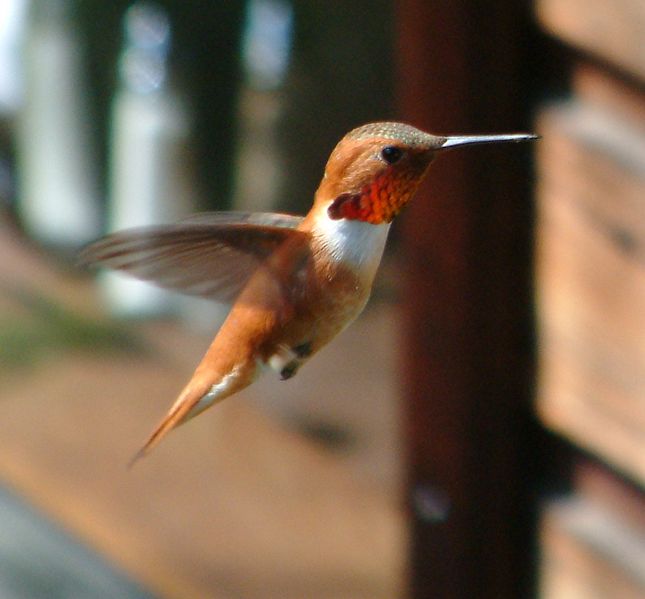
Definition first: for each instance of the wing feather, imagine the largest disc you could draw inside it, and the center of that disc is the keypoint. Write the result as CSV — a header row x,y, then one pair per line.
x,y
269,219
210,255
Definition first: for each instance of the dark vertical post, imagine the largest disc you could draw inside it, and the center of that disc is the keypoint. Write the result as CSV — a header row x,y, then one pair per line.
x,y
467,358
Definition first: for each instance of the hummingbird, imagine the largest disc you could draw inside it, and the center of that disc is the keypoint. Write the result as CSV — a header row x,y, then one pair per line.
x,y
294,282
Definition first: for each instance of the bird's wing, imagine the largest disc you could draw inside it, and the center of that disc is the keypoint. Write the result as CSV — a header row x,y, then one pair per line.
x,y
269,219
210,255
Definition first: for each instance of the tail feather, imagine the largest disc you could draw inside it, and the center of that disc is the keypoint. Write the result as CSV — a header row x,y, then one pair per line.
x,y
199,394
187,399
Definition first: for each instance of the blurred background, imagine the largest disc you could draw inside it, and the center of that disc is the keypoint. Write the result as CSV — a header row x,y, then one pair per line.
x,y
478,432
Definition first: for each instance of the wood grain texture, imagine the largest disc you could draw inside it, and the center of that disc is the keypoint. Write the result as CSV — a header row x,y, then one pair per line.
x,y
591,282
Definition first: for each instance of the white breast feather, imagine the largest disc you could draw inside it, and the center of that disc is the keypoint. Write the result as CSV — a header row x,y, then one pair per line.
x,y
353,242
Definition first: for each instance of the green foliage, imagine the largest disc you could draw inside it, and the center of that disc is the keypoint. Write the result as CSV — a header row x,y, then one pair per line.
x,y
47,327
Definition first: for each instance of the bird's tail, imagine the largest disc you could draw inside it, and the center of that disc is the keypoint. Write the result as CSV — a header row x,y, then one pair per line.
x,y
202,391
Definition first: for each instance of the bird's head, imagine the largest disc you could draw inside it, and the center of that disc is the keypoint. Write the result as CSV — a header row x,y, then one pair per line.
x,y
375,169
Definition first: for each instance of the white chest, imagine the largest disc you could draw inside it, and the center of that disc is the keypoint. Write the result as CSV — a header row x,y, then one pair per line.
x,y
353,243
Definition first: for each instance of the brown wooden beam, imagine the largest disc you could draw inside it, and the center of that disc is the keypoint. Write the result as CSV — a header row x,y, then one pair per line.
x,y
468,352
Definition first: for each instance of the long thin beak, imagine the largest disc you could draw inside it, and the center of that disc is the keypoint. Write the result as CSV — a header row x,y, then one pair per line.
x,y
455,141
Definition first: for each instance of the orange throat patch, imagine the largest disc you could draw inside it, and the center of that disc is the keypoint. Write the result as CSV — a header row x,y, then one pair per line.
x,y
377,203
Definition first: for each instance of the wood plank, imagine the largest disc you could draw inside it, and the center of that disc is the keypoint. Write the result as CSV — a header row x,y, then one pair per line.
x,y
612,30
594,540
589,552
606,488
606,91
591,282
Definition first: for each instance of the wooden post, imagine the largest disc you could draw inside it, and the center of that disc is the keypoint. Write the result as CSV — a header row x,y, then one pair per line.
x,y
467,362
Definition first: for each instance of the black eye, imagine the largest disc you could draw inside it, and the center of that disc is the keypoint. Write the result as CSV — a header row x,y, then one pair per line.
x,y
391,154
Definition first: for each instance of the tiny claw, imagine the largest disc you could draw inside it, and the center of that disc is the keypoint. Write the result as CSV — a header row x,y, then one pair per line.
x,y
289,370
303,350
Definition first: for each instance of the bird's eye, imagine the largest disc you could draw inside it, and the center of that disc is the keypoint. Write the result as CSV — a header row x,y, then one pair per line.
x,y
391,154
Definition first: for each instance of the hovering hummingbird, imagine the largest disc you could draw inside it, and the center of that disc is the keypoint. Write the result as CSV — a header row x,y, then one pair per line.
x,y
296,282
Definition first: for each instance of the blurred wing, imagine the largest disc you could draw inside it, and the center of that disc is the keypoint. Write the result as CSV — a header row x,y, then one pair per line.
x,y
268,219
211,255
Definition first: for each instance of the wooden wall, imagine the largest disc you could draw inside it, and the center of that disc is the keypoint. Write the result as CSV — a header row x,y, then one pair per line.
x,y
590,259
